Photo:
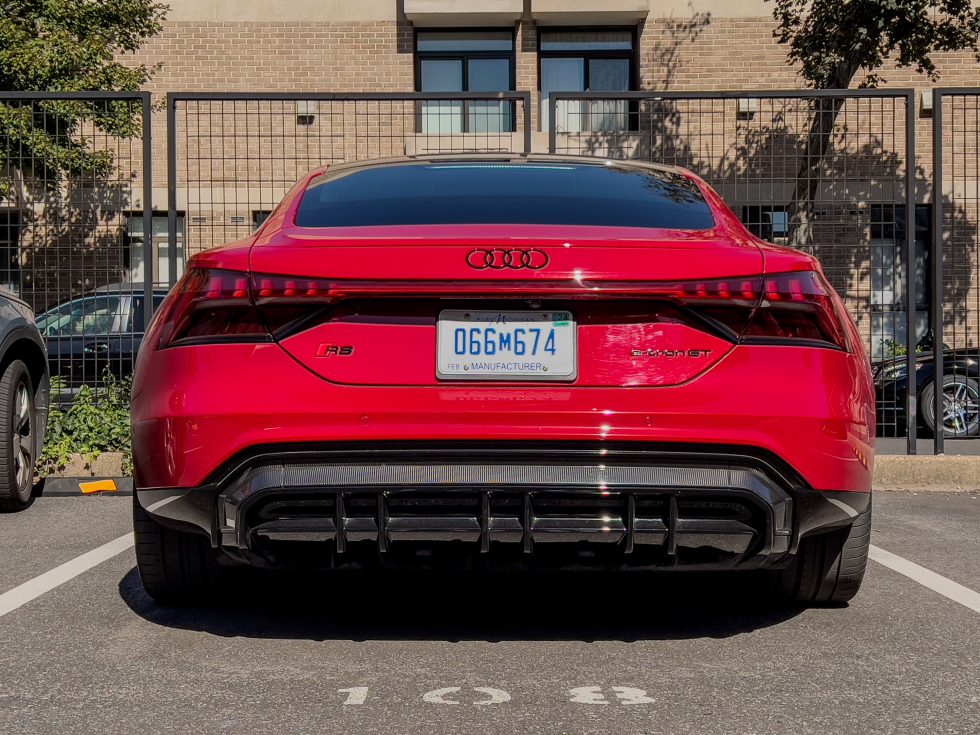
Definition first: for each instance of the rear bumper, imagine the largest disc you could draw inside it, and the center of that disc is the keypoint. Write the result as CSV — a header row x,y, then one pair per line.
x,y
505,505
195,408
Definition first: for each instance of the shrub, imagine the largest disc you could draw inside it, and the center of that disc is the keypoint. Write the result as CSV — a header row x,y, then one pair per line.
x,y
96,422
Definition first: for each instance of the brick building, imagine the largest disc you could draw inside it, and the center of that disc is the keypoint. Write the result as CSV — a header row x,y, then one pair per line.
x,y
235,158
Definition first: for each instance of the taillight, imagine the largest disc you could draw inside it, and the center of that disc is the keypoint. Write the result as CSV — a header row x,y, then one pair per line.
x,y
210,305
795,308
782,308
727,301
282,300
290,289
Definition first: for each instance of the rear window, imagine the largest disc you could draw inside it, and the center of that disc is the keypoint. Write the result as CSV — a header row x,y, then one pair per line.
x,y
503,193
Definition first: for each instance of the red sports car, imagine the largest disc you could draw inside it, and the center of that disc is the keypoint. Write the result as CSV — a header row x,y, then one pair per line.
x,y
503,362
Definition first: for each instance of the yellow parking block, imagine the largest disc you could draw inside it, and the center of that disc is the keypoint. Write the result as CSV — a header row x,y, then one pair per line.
x,y
98,486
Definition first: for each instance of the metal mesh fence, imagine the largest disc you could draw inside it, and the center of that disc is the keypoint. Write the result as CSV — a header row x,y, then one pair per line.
x,y
831,173
233,157
956,361
828,173
73,180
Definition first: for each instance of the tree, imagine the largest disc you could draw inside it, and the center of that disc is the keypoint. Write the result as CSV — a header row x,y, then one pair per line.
x,y
68,46
834,40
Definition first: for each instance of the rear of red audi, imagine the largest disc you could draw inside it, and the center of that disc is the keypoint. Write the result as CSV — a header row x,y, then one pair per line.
x,y
477,362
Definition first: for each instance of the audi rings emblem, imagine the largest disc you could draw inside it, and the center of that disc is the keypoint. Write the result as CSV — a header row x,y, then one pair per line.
x,y
501,258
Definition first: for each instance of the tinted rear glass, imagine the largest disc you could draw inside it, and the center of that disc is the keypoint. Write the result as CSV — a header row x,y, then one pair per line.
x,y
501,193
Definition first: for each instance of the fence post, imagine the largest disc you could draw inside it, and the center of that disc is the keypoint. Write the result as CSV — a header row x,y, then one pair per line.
x,y
526,101
171,189
552,123
147,211
936,307
911,266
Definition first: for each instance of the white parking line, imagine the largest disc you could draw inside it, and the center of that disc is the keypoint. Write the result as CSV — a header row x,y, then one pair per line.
x,y
34,588
928,578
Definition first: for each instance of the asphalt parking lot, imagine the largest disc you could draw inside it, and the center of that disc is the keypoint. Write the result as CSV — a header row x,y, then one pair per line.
x,y
573,654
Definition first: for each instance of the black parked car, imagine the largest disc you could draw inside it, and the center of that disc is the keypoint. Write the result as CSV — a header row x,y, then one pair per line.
x,y
91,333
961,393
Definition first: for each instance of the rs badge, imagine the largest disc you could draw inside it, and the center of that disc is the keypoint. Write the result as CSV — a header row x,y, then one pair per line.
x,y
329,350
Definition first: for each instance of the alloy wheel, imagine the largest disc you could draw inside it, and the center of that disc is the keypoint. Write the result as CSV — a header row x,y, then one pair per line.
x,y
23,437
961,408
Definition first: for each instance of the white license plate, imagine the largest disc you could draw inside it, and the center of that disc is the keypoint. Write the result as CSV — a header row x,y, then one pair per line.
x,y
505,345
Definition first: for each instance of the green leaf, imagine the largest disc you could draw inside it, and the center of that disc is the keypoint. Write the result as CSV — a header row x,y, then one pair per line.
x,y
831,40
67,46
96,422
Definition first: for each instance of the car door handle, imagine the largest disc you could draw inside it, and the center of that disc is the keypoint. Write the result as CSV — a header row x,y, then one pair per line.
x,y
96,347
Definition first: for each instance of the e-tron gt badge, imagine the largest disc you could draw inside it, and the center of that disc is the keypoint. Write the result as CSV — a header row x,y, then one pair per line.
x,y
671,353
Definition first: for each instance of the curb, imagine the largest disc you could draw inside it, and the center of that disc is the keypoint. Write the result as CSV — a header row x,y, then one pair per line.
x,y
81,486
928,473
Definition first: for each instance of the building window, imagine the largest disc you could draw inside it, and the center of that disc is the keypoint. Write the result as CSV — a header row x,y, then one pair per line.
x,y
10,228
578,60
161,247
259,216
888,274
465,61
767,222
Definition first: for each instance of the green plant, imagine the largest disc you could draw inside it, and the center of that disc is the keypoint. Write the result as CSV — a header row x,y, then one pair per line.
x,y
96,422
835,44
833,41
69,46
893,348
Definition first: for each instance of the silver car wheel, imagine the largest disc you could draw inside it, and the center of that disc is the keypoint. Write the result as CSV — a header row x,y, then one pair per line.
x,y
22,437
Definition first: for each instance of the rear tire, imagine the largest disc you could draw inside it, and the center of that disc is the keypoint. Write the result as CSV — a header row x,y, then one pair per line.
x,y
18,424
174,567
829,568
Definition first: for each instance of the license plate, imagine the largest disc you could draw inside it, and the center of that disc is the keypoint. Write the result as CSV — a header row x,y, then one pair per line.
x,y
505,345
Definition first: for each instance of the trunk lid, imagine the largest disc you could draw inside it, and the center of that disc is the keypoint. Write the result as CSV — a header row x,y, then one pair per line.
x,y
389,286
440,252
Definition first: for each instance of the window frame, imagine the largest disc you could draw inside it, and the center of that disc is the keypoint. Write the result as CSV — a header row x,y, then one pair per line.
x,y
632,122
259,216
464,57
12,224
749,221
155,214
